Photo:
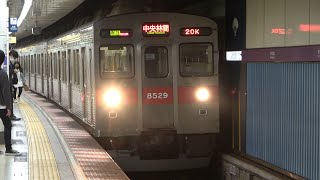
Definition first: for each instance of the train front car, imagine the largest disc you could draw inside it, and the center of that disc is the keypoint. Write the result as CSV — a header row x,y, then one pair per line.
x,y
156,86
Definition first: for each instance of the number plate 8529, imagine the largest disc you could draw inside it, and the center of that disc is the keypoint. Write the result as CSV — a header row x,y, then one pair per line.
x,y
157,95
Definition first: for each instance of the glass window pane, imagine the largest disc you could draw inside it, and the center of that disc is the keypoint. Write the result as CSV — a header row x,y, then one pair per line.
x,y
156,62
116,61
196,59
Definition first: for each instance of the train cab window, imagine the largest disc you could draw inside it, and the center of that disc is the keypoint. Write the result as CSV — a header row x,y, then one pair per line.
x,y
116,61
156,62
196,59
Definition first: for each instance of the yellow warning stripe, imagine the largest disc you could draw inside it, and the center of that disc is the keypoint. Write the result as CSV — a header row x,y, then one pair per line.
x,y
42,162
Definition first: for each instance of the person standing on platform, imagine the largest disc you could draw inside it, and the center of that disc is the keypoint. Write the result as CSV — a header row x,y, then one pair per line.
x,y
6,108
13,56
20,82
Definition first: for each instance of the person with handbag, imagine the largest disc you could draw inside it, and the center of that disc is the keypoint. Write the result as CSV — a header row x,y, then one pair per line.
x,y
6,109
19,83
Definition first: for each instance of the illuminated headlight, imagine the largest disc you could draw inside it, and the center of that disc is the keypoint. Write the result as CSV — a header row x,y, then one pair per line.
x,y
202,94
112,98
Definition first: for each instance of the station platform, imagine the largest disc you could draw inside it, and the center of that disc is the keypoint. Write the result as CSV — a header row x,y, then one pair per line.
x,y
53,146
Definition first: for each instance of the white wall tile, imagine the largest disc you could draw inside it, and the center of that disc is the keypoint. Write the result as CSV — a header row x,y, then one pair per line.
x,y
315,20
297,12
255,23
274,28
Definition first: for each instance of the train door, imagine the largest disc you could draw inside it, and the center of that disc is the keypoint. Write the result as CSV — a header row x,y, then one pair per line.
x,y
50,77
35,60
89,88
59,68
84,67
41,75
69,80
76,84
157,87
45,76
28,67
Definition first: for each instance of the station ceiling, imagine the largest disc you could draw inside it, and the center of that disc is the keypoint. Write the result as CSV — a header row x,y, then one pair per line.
x,y
44,13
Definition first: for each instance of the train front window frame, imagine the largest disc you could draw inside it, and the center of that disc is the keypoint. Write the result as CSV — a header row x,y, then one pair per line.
x,y
116,61
156,62
196,59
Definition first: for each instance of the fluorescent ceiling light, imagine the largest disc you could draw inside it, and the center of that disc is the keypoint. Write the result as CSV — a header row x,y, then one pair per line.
x,y
26,7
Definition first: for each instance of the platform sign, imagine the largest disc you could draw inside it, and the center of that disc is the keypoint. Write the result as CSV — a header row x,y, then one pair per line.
x,y
12,39
13,24
234,55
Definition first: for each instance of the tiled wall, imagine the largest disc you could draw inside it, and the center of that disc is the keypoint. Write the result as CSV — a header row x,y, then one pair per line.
x,y
282,23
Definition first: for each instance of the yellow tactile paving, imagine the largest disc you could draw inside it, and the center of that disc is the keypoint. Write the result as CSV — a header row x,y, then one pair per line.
x,y
42,162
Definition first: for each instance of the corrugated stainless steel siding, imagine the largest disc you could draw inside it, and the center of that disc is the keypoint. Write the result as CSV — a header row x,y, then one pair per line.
x,y
283,115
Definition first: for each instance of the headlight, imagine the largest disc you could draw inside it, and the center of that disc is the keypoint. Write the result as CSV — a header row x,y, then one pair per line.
x,y
112,98
202,94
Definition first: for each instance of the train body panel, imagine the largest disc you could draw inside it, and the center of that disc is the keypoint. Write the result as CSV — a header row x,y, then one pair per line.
x,y
146,84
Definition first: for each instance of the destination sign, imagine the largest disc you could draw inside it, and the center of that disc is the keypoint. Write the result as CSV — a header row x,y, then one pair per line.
x,y
195,31
109,33
155,29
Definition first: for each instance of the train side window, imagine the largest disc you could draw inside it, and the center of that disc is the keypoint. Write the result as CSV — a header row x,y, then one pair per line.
x,y
58,65
64,67
116,61
50,65
68,67
55,71
75,67
196,59
83,62
76,64
38,64
27,63
156,62
32,63
42,62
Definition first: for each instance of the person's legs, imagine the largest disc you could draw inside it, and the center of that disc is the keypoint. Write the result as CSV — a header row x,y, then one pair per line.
x,y
13,117
19,94
11,93
20,91
14,94
7,134
7,128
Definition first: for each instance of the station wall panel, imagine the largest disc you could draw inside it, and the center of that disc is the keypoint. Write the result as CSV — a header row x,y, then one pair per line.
x,y
315,21
297,13
274,23
255,23
282,125
282,23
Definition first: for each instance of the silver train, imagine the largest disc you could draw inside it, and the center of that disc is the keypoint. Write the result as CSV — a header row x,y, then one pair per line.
x,y
145,85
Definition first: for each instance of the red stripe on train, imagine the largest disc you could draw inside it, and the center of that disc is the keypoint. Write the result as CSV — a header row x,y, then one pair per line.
x,y
186,94
129,96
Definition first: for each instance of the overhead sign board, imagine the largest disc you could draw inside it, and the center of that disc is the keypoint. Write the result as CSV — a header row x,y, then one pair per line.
x,y
13,24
